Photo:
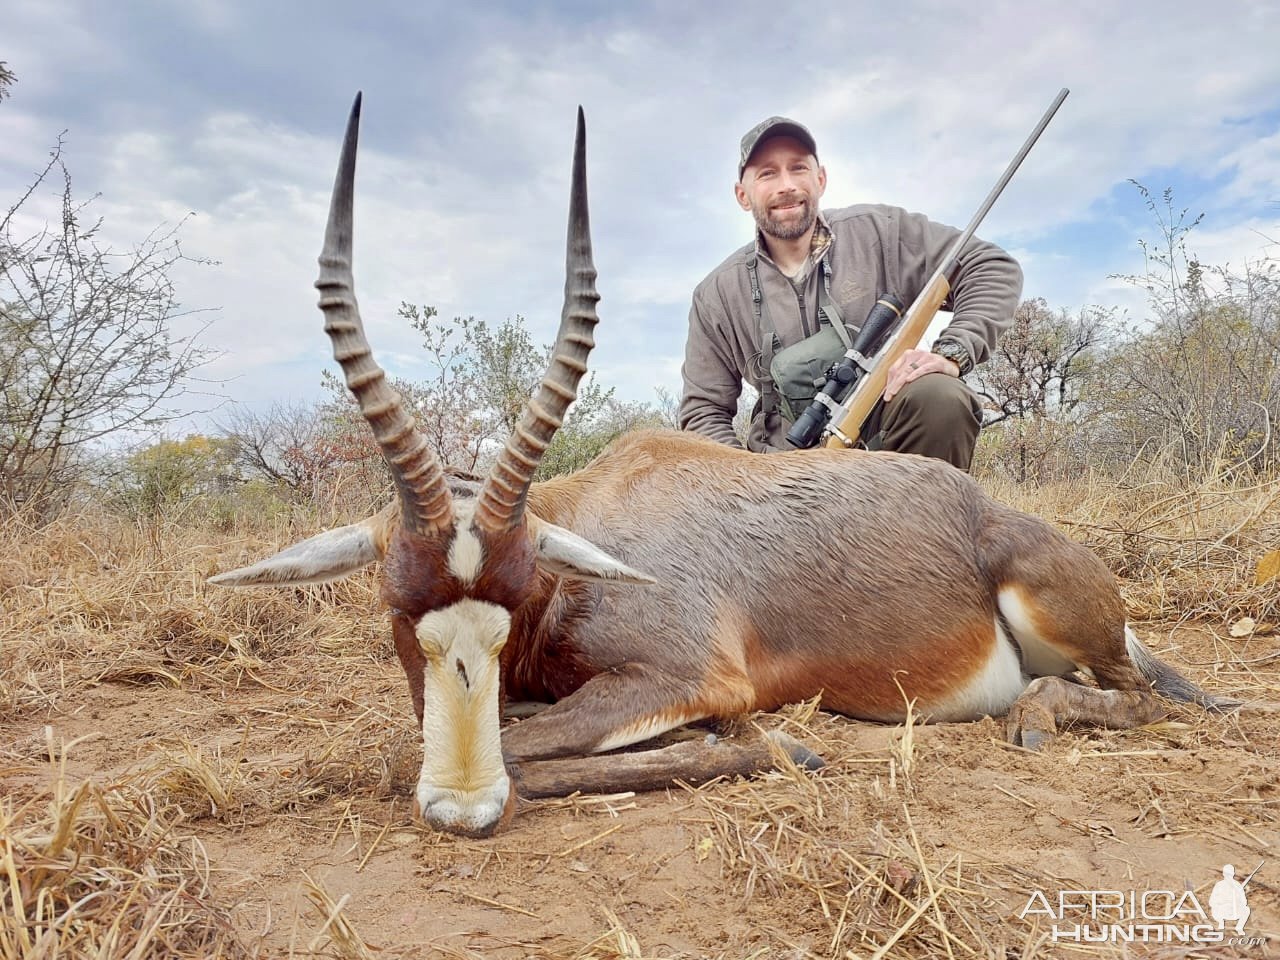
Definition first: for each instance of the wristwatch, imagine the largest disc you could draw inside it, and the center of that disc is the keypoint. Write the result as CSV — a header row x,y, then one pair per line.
x,y
955,351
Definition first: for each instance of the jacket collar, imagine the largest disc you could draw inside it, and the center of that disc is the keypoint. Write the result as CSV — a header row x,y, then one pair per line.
x,y
819,244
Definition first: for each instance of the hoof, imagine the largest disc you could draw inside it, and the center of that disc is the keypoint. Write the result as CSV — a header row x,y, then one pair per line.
x,y
1030,725
800,755
1034,740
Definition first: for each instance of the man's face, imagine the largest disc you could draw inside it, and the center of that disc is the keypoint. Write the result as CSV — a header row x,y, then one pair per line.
x,y
781,187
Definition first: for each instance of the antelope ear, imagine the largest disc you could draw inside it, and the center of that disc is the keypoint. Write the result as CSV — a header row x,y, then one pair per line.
x,y
323,558
569,555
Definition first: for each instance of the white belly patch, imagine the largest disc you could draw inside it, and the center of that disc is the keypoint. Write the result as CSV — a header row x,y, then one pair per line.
x,y
989,692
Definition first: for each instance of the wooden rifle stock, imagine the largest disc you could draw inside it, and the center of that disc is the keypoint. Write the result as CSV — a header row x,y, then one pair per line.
x,y
871,387
923,309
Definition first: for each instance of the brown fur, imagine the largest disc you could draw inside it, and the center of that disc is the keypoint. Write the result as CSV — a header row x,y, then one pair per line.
x,y
509,571
728,687
411,659
405,588
751,610
879,683
543,663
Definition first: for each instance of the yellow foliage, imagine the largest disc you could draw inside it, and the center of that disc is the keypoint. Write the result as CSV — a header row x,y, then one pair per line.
x,y
1268,567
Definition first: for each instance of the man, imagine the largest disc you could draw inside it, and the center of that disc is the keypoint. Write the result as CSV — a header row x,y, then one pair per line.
x,y
810,275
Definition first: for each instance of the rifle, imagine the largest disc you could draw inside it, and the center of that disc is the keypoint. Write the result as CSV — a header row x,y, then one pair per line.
x,y
860,376
1250,876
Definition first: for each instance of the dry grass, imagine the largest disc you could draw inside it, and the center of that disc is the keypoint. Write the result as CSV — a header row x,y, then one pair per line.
x,y
92,599
780,839
91,871
289,719
1180,551
337,930
839,866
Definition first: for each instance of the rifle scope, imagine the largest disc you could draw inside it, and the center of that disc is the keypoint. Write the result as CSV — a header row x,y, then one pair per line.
x,y
844,374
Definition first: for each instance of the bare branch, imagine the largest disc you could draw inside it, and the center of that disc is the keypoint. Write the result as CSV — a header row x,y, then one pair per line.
x,y
88,349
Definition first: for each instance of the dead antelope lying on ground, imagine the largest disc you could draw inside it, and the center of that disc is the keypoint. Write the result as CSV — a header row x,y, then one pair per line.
x,y
676,579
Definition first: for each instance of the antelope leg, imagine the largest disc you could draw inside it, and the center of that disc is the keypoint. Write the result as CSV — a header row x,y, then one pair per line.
x,y
1050,704
626,705
692,761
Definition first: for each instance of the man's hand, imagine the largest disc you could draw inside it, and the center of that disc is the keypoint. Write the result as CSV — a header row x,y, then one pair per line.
x,y
913,365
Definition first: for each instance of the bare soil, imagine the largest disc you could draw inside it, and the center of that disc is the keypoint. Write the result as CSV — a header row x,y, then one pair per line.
x,y
293,778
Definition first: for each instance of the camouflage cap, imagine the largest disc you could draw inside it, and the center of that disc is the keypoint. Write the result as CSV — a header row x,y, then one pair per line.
x,y
773,127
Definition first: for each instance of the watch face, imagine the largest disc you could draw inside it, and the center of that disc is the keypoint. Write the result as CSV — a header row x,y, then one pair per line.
x,y
953,352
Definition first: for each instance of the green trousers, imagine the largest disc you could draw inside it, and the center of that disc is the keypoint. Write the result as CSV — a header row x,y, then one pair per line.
x,y
935,416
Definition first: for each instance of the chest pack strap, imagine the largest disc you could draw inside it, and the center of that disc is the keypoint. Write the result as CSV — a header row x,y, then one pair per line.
x,y
828,312
770,402
827,309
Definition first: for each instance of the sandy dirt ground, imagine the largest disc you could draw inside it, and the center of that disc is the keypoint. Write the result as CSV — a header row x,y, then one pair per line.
x,y
294,780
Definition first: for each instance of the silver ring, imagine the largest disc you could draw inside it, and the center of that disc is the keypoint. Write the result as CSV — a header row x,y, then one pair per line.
x,y
915,366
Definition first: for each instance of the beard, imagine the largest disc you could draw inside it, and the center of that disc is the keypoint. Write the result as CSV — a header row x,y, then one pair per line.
x,y
791,229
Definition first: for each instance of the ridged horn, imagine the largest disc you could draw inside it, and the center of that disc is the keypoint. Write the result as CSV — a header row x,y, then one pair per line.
x,y
424,495
501,503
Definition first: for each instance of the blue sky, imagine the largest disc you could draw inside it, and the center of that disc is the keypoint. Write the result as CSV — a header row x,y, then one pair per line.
x,y
232,111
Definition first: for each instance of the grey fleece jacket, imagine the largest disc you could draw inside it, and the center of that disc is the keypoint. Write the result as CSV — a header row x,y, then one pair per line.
x,y
874,249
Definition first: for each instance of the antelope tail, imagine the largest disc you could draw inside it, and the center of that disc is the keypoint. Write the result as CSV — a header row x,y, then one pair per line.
x,y
1168,682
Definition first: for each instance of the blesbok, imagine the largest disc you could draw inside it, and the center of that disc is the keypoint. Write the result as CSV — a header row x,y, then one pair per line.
x,y
675,579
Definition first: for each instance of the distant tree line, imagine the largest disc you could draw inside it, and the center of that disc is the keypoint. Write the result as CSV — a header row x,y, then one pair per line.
x,y
481,377
322,455
1193,387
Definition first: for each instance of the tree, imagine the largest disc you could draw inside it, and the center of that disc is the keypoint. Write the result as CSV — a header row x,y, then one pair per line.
x,y
597,421
1199,381
1042,362
483,378
1034,384
507,367
86,346
289,446
7,77
171,474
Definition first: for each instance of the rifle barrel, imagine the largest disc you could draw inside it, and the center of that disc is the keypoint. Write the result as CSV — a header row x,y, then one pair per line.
x,y
855,408
1250,876
954,253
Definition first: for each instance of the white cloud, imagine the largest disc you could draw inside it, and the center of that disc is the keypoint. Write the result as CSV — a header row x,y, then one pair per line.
x,y
1254,168
462,181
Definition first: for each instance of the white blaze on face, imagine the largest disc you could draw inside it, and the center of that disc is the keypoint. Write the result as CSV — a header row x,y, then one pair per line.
x,y
465,553
463,784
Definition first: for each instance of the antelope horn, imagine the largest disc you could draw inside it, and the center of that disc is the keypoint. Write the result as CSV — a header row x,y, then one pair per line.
x,y
501,503
424,496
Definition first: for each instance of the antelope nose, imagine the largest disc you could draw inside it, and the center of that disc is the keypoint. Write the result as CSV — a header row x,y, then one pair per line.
x,y
447,821
468,813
